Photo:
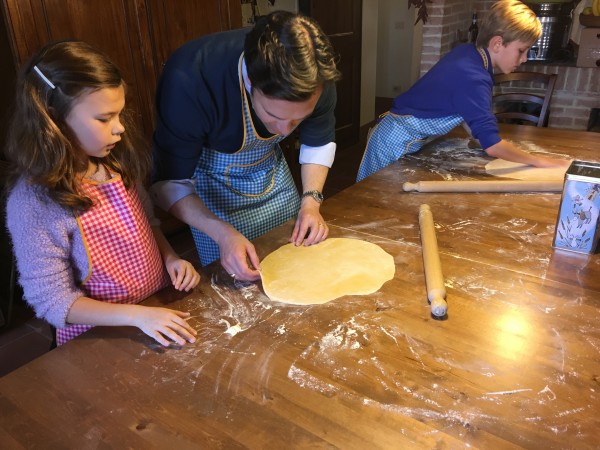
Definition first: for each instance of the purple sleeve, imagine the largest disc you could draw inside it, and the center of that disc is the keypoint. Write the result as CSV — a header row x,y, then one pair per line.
x,y
473,103
51,258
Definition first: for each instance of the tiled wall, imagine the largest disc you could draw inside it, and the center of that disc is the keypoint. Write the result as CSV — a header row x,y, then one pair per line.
x,y
577,89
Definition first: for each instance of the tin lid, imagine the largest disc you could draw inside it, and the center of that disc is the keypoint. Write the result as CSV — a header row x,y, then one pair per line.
x,y
584,169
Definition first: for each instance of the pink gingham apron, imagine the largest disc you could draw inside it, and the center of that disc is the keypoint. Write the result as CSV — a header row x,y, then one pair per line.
x,y
125,265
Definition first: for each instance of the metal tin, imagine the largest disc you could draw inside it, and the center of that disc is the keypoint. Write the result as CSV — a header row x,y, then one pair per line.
x,y
578,224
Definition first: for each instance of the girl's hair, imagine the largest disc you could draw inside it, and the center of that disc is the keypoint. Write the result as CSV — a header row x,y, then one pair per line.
x,y
288,56
510,19
41,146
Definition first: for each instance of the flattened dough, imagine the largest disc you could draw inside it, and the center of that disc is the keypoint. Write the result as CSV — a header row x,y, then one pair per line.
x,y
509,169
325,271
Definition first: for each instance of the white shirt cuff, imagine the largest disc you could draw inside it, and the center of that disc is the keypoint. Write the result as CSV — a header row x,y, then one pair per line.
x,y
165,194
323,155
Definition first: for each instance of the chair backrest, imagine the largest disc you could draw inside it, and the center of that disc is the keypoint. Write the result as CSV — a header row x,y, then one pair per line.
x,y
524,106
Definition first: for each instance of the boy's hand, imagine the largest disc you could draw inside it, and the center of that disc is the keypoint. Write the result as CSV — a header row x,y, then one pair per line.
x,y
545,161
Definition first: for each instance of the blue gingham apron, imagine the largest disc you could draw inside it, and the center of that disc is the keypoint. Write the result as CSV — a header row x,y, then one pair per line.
x,y
397,135
252,189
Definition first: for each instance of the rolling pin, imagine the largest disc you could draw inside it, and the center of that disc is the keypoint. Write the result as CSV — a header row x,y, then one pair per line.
x,y
485,186
436,290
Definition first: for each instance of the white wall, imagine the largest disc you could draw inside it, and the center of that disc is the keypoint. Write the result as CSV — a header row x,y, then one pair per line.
x,y
286,5
368,75
391,52
394,48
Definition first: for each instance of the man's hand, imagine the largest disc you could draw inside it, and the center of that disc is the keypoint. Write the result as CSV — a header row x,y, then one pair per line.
x,y
238,256
310,226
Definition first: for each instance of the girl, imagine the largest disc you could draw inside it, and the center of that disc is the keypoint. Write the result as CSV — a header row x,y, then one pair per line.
x,y
79,218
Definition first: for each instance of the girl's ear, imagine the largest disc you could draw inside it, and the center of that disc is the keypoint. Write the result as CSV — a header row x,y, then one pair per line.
x,y
52,113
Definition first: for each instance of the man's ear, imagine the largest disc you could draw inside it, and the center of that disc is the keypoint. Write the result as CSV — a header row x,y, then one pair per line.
x,y
496,43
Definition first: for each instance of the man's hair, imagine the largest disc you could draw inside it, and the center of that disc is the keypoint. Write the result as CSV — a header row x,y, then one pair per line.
x,y
289,57
511,20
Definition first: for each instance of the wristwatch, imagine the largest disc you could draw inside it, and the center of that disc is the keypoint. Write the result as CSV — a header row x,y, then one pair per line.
x,y
318,196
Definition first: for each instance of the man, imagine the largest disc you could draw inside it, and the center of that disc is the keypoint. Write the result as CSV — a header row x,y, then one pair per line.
x,y
225,101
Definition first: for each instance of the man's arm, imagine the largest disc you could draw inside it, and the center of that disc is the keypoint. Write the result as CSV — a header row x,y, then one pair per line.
x,y
238,255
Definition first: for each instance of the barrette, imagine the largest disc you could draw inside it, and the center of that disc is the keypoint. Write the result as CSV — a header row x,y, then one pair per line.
x,y
43,77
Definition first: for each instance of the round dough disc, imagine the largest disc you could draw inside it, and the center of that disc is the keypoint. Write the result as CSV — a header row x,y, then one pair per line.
x,y
325,271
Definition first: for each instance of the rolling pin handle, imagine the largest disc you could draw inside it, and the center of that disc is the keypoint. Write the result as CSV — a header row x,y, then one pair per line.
x,y
439,308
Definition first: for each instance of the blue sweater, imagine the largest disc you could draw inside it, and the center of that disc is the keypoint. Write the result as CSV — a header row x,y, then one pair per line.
x,y
459,83
199,105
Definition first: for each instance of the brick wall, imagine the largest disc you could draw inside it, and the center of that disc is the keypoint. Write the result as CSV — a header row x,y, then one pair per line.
x,y
577,89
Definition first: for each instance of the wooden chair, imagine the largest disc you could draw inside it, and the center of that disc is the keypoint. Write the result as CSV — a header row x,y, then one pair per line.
x,y
527,106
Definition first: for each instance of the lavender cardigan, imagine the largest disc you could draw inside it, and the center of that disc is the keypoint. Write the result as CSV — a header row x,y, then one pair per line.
x,y
51,258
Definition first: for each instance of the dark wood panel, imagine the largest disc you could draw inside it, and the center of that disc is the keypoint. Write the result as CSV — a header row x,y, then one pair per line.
x,y
137,34
175,23
110,26
27,28
341,20
347,110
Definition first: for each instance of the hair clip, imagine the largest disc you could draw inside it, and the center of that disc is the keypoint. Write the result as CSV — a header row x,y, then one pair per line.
x,y
43,77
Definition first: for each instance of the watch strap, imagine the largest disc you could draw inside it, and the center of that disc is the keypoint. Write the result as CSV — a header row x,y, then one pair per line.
x,y
317,195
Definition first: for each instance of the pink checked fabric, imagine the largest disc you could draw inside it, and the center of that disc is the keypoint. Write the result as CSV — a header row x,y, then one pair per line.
x,y
126,266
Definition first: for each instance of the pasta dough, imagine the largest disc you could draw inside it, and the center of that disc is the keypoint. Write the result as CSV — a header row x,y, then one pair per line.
x,y
323,272
509,169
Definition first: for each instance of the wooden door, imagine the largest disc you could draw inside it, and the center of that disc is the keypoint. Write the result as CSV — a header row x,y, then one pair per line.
x,y
138,35
341,20
195,18
106,24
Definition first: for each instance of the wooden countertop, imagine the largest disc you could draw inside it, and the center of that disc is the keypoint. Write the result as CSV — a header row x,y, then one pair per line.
x,y
515,365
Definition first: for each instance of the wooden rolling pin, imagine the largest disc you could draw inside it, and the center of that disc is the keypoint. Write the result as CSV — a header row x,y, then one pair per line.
x,y
436,290
485,186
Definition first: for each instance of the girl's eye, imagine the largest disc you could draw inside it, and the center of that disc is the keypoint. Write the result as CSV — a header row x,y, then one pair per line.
x,y
103,119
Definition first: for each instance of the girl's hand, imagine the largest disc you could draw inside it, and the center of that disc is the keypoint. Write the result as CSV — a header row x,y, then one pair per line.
x,y
163,323
183,275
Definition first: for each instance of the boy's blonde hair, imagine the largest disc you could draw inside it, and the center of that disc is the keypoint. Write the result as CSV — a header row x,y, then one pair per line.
x,y
511,20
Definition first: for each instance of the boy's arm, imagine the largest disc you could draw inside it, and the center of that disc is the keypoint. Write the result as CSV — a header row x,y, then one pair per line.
x,y
506,150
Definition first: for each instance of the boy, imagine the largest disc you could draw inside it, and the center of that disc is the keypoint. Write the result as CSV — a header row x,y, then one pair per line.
x,y
458,89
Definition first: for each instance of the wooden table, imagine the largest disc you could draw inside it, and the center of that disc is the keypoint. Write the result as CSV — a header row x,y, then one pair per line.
x,y
516,364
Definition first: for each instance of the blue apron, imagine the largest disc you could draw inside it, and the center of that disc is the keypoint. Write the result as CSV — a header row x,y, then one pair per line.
x,y
397,135
252,189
